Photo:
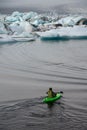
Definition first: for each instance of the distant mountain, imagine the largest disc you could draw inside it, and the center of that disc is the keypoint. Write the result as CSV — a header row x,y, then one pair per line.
x,y
74,8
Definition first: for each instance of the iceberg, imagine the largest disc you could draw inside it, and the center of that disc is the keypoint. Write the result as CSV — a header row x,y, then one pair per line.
x,y
20,27
71,20
24,26
39,20
16,14
11,19
28,16
3,29
76,32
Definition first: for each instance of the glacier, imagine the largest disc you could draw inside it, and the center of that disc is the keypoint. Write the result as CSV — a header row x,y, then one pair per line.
x,y
28,26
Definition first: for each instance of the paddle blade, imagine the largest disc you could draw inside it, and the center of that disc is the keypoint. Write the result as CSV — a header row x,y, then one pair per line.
x,y
61,92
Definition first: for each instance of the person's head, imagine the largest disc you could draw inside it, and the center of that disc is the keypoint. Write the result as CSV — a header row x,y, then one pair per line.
x,y
50,89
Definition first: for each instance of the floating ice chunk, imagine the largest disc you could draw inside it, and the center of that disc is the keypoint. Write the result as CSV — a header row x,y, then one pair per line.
x,y
16,14
20,27
25,34
16,38
15,27
71,20
11,19
37,22
29,15
51,33
23,37
2,29
67,21
6,38
75,32
26,26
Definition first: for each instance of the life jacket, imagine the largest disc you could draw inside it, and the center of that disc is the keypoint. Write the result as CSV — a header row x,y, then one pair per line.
x,y
50,93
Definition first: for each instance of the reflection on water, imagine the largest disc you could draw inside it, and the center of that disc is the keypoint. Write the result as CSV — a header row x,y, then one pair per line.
x,y
27,70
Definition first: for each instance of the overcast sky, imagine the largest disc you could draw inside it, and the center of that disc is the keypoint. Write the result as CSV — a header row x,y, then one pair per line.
x,y
4,4
43,3
8,3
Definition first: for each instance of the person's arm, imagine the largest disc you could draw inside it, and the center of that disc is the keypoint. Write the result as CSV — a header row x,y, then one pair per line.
x,y
46,92
54,93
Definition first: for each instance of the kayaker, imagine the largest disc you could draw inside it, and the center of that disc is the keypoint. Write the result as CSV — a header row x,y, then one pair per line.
x,y
51,93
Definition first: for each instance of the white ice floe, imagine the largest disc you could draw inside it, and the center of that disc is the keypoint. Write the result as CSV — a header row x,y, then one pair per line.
x,y
64,33
17,38
23,37
6,38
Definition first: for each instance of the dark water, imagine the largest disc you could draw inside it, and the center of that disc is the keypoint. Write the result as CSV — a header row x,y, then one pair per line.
x,y
27,70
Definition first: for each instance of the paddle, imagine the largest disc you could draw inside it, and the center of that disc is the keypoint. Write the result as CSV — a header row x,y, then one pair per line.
x,y
61,92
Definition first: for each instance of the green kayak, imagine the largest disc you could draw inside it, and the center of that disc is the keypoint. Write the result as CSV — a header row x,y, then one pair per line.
x,y
53,99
